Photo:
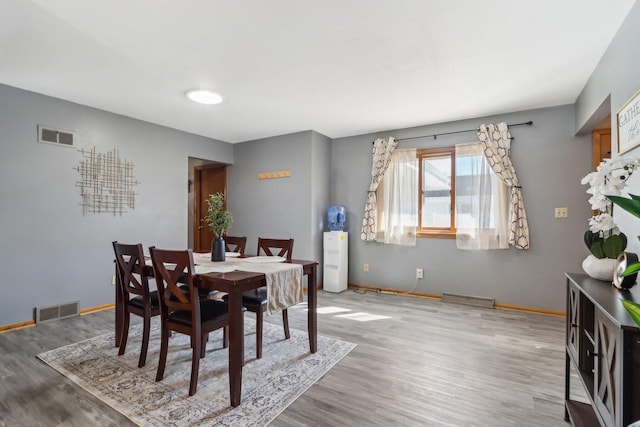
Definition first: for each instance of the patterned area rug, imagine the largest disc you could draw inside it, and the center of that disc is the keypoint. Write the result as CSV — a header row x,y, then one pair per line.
x,y
269,385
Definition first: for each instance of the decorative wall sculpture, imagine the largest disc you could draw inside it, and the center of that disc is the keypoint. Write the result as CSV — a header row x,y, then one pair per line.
x,y
106,182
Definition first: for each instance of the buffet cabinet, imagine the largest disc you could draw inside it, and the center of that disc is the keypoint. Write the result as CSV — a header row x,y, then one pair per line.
x,y
603,346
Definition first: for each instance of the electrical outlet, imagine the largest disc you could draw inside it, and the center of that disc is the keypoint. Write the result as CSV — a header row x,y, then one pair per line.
x,y
113,280
419,273
366,267
562,212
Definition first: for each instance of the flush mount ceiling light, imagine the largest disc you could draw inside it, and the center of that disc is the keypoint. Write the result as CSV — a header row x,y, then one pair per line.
x,y
203,96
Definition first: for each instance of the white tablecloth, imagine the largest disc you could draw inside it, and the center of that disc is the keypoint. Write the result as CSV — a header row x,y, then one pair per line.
x,y
284,281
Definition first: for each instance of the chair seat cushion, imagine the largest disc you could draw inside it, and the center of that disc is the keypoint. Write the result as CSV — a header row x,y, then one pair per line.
x,y
138,302
206,292
203,293
210,311
253,297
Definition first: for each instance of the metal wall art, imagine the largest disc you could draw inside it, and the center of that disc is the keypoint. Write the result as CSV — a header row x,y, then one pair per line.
x,y
106,182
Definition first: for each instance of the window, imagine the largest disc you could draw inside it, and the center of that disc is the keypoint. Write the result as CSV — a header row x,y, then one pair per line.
x,y
448,192
436,199
459,195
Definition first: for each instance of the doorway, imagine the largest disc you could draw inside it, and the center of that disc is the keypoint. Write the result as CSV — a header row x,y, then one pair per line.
x,y
601,146
207,179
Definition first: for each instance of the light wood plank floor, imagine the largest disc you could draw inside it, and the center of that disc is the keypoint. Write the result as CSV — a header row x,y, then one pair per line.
x,y
419,362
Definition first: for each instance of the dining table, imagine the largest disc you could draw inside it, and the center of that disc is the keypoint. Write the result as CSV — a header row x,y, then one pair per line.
x,y
235,283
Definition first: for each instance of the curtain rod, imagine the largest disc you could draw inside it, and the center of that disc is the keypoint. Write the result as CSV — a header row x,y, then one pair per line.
x,y
435,135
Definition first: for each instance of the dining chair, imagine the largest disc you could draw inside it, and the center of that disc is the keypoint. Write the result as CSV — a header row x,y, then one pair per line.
x,y
235,244
136,297
256,300
181,312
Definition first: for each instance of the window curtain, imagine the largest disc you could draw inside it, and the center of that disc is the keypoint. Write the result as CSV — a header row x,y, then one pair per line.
x,y
399,218
481,202
496,142
382,149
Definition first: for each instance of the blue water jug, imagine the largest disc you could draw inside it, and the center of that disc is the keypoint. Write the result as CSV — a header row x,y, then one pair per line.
x,y
336,217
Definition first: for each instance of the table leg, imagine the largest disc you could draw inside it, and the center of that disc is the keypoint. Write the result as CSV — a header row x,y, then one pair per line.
x,y
567,385
312,303
236,346
119,308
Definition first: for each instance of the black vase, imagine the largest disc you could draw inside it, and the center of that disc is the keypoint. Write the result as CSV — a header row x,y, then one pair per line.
x,y
217,249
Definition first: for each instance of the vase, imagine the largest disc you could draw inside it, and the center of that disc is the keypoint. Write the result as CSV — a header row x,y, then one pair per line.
x,y
599,268
217,249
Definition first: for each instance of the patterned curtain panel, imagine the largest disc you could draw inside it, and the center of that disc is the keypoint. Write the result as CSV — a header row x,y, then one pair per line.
x,y
382,149
496,141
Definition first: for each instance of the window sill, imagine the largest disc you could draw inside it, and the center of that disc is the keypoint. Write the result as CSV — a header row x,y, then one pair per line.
x,y
436,234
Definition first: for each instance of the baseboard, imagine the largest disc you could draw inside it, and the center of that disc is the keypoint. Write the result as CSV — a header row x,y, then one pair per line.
x,y
29,323
394,291
531,309
15,326
97,308
439,297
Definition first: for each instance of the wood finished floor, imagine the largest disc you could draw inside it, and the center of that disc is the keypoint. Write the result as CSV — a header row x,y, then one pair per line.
x,y
419,362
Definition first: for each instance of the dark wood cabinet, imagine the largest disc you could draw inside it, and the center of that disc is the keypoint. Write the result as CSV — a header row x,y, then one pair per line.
x,y
603,345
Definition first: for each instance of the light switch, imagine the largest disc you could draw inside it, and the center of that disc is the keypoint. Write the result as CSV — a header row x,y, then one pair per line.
x,y
562,212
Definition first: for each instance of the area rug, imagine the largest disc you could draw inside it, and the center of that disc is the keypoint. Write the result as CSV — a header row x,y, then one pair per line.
x,y
285,371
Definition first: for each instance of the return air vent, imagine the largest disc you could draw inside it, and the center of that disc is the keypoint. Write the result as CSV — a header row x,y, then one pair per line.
x,y
60,311
469,300
49,135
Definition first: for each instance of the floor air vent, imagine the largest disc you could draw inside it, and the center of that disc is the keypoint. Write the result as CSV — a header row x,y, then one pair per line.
x,y
60,311
469,300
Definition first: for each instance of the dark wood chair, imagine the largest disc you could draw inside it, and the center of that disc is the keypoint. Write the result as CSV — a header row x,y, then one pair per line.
x,y
137,298
235,244
256,299
182,313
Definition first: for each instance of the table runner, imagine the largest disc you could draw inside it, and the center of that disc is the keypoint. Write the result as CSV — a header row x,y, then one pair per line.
x,y
284,280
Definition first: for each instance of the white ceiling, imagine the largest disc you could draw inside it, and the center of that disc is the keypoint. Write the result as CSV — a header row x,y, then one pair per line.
x,y
340,67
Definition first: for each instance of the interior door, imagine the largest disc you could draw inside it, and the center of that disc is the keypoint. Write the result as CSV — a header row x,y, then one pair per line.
x,y
208,179
601,146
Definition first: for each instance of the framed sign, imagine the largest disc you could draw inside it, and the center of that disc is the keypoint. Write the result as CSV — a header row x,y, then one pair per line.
x,y
629,124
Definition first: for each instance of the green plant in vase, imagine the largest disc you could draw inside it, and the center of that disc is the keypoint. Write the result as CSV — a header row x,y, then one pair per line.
x,y
605,247
219,221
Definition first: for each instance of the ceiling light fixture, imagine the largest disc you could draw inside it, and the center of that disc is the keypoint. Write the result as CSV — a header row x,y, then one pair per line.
x,y
203,96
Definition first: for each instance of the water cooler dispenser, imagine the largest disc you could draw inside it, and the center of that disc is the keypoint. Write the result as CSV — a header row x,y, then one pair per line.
x,y
336,244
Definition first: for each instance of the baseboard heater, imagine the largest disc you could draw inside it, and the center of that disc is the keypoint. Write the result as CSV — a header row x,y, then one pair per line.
x,y
469,300
58,311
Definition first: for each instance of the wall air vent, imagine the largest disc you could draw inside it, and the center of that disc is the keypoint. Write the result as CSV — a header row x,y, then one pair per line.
x,y
49,135
60,311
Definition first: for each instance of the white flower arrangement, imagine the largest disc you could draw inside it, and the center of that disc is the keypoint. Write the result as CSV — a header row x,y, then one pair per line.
x,y
604,238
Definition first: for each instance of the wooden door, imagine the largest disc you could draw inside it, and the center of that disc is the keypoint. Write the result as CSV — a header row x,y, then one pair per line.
x,y
208,179
601,146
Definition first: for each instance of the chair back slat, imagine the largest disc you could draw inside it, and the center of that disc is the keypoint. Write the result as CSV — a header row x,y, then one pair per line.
x,y
284,247
172,268
235,244
130,257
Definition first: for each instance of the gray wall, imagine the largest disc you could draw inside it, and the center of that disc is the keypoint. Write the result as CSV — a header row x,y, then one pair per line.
x,y
550,163
282,207
616,76
614,81
50,252
320,192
